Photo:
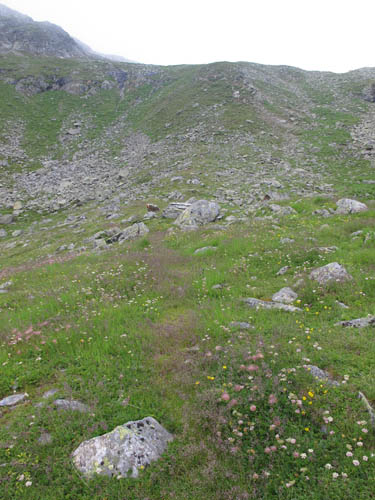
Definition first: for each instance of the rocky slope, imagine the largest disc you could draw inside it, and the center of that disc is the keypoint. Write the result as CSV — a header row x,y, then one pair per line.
x,y
77,130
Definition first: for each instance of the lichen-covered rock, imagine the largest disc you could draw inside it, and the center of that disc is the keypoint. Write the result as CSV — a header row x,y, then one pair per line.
x,y
358,323
331,272
199,213
132,232
263,304
123,451
348,206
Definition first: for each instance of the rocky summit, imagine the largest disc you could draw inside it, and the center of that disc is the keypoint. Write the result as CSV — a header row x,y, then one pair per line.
x,y
187,280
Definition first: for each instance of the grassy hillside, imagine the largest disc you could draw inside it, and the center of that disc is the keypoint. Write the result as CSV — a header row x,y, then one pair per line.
x,y
151,328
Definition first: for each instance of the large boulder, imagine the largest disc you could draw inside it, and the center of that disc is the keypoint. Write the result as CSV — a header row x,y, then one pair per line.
x,y
132,232
173,210
331,272
124,450
199,213
348,206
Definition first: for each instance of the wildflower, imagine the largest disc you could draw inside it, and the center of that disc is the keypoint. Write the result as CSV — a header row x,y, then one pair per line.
x,y
224,367
328,466
359,443
310,450
307,429
365,431
291,483
344,475
303,455
272,399
255,476
365,458
253,408
335,475
349,454
225,396
28,483
295,454
355,462
267,450
311,394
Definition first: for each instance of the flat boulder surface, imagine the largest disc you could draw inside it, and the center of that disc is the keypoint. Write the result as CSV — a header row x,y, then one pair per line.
x,y
123,451
348,206
331,272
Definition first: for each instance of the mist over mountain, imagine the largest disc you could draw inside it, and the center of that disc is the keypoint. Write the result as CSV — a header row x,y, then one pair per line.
x,y
20,34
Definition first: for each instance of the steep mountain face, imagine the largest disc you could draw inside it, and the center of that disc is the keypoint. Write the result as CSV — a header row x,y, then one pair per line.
x,y
20,34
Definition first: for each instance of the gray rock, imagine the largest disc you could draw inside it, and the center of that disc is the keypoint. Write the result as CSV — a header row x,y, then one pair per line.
x,y
123,451
173,210
45,438
199,213
3,233
17,206
6,219
204,249
263,304
358,323
240,325
320,374
70,404
17,233
331,272
283,270
285,241
13,400
286,295
282,210
132,232
149,215
50,393
348,206
342,305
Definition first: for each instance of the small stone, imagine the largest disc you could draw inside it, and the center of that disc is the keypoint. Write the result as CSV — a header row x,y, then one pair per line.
x,y
342,305
240,325
66,404
283,270
204,249
13,400
18,206
50,393
45,438
3,233
285,241
286,295
6,219
320,374
17,233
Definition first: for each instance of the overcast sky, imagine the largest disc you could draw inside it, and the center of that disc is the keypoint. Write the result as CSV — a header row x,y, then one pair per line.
x,y
332,35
